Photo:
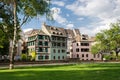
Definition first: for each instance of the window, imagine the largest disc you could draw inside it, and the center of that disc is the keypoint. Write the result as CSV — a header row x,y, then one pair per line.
x,y
46,49
82,55
46,57
40,50
71,50
84,44
58,44
86,55
58,57
46,37
40,57
58,51
54,57
53,32
85,50
40,37
77,50
54,51
40,43
46,43
77,55
63,57
58,38
77,44
63,44
61,34
63,51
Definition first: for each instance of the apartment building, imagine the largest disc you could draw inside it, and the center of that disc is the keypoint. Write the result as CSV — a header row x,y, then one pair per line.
x,y
82,49
49,43
38,42
72,36
58,41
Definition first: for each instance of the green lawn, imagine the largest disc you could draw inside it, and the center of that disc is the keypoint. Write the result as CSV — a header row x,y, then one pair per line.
x,y
92,71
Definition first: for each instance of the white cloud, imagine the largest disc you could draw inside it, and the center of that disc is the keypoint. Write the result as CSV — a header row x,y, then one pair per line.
x,y
28,29
59,3
80,18
106,11
56,15
69,26
67,15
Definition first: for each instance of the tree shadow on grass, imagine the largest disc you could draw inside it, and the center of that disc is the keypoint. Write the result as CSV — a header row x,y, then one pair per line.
x,y
109,74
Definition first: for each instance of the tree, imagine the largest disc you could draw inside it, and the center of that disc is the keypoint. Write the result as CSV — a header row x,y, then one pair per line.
x,y
28,9
108,40
4,43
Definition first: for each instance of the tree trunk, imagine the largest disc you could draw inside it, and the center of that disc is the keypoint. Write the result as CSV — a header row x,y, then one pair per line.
x,y
14,36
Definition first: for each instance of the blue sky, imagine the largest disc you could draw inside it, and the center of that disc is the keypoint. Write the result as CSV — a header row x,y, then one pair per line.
x,y
89,16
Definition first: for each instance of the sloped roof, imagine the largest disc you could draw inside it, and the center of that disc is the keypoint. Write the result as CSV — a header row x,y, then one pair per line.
x,y
69,32
57,31
41,32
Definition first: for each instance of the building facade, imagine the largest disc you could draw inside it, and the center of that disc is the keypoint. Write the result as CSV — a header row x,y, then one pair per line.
x,y
58,41
82,49
49,43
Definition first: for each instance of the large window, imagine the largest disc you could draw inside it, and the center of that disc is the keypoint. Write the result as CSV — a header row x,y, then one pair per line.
x,y
84,44
40,36
40,50
63,44
85,50
82,55
46,43
54,51
46,49
40,57
77,44
58,51
63,51
86,55
58,44
54,57
77,49
58,57
46,57
40,43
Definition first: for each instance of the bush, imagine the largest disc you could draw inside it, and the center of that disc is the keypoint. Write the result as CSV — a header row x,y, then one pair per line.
x,y
23,57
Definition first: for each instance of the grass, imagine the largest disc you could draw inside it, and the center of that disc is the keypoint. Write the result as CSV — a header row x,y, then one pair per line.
x,y
92,71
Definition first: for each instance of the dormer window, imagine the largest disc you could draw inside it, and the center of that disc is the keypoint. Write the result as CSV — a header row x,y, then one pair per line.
x,y
53,32
61,34
51,28
56,29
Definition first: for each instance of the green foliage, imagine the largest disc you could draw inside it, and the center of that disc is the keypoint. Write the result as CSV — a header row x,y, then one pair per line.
x,y
23,57
4,43
33,55
107,40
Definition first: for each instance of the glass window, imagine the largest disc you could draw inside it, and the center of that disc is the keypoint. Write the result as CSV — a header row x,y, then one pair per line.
x,y
46,57
77,50
58,57
46,43
54,51
58,51
54,57
63,51
82,55
40,57
86,55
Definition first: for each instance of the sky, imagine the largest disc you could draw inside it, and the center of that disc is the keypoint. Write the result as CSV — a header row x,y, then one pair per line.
x,y
89,16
